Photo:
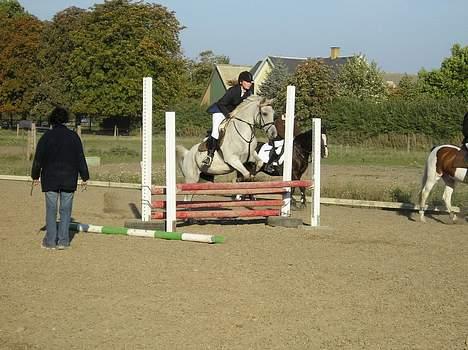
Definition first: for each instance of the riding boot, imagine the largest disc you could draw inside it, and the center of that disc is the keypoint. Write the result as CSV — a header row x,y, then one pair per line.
x,y
212,146
274,157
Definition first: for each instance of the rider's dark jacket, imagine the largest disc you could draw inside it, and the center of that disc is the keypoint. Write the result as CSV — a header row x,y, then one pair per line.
x,y
231,99
465,128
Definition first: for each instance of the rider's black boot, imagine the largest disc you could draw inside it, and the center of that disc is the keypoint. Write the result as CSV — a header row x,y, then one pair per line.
x,y
269,167
212,146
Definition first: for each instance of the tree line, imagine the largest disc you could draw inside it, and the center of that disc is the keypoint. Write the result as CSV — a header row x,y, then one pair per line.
x,y
93,61
355,102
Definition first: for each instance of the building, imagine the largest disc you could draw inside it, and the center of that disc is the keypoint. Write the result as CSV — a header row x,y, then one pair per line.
x,y
223,74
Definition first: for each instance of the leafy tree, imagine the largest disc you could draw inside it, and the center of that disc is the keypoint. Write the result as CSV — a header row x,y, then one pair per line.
x,y
315,88
100,57
276,80
20,33
452,77
11,8
57,47
360,79
200,71
408,88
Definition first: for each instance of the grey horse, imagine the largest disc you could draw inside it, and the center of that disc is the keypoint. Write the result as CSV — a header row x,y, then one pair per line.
x,y
238,146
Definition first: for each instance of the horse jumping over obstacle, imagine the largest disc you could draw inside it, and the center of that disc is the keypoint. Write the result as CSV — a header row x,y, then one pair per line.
x,y
440,165
238,145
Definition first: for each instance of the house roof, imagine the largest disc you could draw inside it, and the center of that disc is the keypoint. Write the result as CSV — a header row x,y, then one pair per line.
x,y
229,72
290,63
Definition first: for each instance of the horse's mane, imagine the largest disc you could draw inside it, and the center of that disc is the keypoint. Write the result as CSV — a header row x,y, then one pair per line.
x,y
243,106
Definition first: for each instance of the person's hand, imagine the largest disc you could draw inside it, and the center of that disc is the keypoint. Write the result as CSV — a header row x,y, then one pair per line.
x,y
84,186
36,182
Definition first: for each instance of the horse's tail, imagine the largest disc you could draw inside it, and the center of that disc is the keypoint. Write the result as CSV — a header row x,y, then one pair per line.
x,y
181,152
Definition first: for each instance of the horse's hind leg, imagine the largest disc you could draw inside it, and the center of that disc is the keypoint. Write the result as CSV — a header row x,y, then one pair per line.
x,y
447,197
424,194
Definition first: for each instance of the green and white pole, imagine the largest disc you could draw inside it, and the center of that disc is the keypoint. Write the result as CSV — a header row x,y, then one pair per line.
x,y
112,230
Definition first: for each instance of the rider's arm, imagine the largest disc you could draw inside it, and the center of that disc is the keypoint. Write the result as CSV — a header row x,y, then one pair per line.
x,y
227,100
465,126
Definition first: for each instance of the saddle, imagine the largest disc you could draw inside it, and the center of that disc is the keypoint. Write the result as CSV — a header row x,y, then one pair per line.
x,y
203,147
461,158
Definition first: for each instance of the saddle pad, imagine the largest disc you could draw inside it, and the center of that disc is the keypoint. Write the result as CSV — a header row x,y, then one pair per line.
x,y
203,146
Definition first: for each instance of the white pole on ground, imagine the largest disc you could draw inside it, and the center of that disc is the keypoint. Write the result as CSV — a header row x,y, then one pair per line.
x,y
316,150
146,151
288,147
171,189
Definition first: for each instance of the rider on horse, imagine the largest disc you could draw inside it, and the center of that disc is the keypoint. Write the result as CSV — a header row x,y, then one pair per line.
x,y
276,145
461,158
226,104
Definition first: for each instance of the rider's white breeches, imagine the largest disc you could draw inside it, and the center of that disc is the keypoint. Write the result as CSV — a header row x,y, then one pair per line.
x,y
278,146
217,120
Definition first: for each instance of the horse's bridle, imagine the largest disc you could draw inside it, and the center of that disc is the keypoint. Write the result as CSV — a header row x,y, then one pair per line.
x,y
258,120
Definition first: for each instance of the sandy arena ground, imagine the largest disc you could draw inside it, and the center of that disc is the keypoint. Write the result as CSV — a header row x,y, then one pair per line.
x,y
371,279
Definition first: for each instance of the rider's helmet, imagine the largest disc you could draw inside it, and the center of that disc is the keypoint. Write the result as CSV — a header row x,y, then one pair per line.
x,y
245,76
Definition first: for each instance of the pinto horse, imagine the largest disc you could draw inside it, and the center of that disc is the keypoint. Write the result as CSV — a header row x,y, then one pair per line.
x,y
440,165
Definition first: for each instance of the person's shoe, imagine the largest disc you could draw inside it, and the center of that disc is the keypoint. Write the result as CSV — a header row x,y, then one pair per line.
x,y
269,168
62,247
43,246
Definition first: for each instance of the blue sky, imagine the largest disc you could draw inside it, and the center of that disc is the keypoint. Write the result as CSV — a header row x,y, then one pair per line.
x,y
400,35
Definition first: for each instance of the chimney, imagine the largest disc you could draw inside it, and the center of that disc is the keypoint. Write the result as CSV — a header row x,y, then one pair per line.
x,y
334,52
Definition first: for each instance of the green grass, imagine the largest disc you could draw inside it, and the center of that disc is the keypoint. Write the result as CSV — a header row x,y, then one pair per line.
x,y
357,155
121,156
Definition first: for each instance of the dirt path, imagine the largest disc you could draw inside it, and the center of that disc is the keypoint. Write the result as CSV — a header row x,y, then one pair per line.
x,y
373,280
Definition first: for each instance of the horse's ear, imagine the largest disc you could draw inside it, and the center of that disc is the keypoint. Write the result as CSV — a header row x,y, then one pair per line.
x,y
266,101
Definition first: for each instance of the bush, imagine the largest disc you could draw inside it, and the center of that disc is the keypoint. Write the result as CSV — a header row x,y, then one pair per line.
x,y
352,120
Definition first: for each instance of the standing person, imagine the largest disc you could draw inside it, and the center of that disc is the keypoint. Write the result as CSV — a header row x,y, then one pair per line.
x,y
58,161
225,105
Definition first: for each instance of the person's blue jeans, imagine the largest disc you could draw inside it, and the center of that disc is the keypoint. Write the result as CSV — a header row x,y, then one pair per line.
x,y
58,236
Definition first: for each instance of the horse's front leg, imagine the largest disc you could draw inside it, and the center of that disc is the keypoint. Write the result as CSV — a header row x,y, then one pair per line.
x,y
303,197
258,162
237,165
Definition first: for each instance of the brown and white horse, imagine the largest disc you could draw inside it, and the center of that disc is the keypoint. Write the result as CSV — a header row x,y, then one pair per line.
x,y
440,165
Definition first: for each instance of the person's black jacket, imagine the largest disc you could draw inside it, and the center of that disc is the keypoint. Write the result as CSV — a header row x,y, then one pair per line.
x,y
59,159
231,99
465,128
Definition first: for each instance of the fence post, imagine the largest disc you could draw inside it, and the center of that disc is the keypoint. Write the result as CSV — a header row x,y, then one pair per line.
x,y
146,151
288,147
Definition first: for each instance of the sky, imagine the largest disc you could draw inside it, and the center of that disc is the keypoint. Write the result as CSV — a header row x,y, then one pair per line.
x,y
401,36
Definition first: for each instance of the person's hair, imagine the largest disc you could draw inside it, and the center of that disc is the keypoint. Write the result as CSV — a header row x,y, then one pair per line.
x,y
59,116
245,76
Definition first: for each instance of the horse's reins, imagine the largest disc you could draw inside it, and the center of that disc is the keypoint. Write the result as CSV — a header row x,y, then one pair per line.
x,y
252,128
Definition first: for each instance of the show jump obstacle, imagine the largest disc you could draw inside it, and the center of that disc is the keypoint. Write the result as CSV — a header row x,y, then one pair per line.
x,y
174,210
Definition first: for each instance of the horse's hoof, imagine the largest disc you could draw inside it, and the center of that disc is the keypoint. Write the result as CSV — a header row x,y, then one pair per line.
x,y
453,218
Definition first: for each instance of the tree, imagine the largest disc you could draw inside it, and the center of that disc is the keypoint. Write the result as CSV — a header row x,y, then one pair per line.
x,y
409,87
360,79
316,87
276,80
200,71
20,33
452,77
11,8
100,57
